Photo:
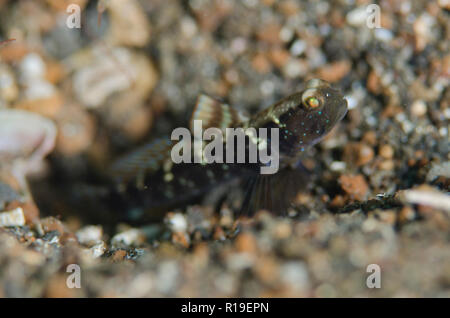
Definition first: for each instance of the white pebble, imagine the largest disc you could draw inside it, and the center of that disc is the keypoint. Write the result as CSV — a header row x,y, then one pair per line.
x,y
418,108
89,234
14,217
129,237
188,27
383,35
177,222
298,47
267,88
338,166
295,274
31,67
239,45
286,34
295,68
98,249
357,17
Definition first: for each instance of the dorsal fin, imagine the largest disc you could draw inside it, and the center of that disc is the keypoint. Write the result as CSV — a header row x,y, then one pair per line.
x,y
146,159
214,113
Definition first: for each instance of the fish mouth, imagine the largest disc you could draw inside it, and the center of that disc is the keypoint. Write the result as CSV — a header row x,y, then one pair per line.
x,y
343,109
339,105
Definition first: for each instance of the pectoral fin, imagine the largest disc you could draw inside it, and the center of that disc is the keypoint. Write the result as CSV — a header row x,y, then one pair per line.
x,y
275,193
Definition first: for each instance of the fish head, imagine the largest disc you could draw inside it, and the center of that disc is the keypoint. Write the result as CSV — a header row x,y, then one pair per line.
x,y
312,113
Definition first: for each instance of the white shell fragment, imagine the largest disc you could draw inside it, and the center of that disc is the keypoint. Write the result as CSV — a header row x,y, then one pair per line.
x,y
32,70
107,72
128,237
98,249
14,217
429,197
26,136
176,222
90,235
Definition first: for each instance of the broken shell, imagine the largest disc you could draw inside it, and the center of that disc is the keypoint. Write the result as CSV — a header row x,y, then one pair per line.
x,y
14,217
129,24
25,136
109,71
8,86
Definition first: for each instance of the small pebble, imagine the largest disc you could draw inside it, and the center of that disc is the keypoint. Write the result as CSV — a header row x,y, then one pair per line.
x,y
355,186
12,218
90,234
176,221
130,237
386,151
419,108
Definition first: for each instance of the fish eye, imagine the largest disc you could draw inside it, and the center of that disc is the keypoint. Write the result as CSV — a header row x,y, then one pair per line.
x,y
313,102
312,99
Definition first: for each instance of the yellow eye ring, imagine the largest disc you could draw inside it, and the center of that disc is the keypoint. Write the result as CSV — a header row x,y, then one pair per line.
x,y
312,99
312,102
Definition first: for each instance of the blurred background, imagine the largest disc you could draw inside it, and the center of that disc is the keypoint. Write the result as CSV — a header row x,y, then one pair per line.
x,y
77,90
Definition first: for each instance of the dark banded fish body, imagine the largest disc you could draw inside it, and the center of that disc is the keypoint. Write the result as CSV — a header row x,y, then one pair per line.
x,y
147,182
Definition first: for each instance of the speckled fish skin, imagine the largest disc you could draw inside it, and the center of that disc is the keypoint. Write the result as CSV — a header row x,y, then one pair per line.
x,y
300,127
149,184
